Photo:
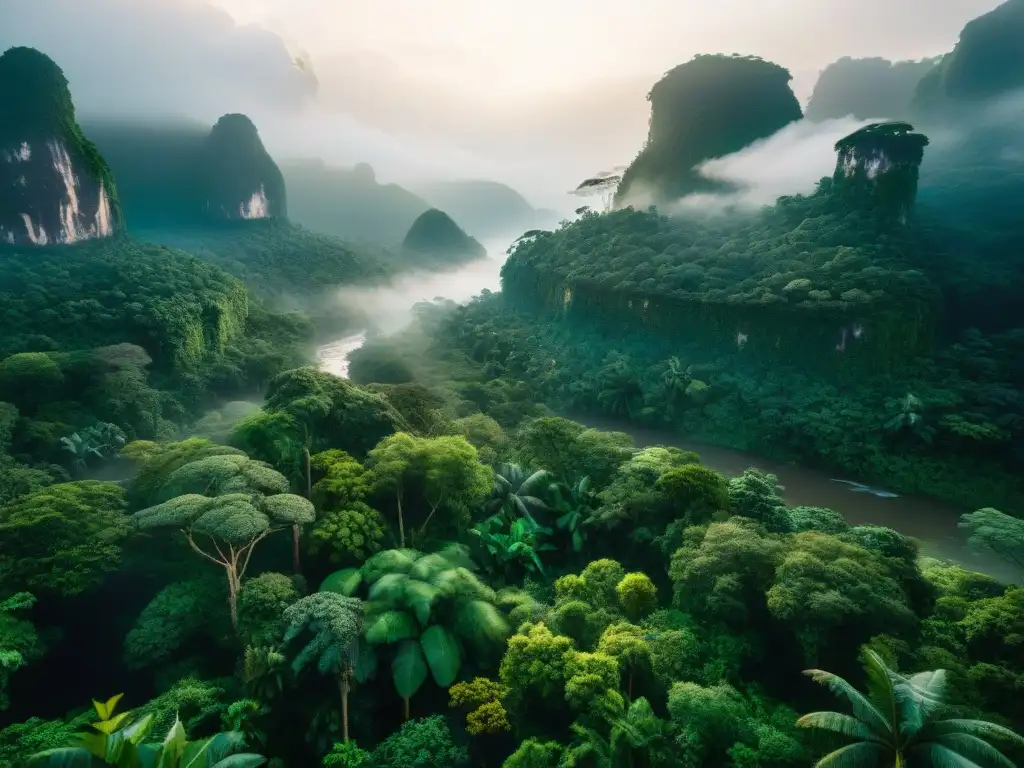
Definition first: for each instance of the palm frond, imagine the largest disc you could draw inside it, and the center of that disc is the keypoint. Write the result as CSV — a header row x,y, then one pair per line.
x,y
881,684
863,709
863,754
975,749
837,722
936,755
980,728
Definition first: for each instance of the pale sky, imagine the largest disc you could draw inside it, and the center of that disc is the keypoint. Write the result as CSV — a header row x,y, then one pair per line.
x,y
532,92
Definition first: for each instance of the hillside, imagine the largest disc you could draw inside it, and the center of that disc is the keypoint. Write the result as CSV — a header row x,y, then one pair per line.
x,y
435,240
867,88
710,107
349,202
485,209
55,187
277,258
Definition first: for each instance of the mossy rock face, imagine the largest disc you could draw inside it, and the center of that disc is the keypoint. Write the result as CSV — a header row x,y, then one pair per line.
x,y
241,181
710,107
55,188
882,160
436,238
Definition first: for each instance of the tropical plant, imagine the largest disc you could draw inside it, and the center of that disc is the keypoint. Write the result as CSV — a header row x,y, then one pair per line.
x,y
81,447
574,505
637,731
515,494
334,621
901,722
515,543
432,607
119,740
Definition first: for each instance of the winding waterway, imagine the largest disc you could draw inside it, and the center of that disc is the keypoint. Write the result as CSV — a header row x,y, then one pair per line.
x,y
933,523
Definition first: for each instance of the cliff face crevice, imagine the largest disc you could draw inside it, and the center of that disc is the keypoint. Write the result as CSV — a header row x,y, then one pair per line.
x,y
55,188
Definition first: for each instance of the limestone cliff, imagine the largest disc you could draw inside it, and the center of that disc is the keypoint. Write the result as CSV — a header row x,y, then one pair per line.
x,y
55,188
240,180
710,107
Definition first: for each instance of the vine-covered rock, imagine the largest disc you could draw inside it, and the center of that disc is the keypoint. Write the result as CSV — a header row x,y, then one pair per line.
x,y
54,186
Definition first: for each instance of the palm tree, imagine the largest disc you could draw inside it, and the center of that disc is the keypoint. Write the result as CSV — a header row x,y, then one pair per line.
x,y
575,505
81,446
637,733
432,607
335,622
897,723
515,493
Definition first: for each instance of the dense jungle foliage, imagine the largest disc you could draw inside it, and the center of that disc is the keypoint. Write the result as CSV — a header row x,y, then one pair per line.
x,y
387,576
215,555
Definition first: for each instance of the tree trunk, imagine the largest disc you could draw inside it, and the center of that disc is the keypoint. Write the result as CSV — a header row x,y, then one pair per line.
x,y
405,708
343,687
629,688
309,472
233,586
296,559
401,526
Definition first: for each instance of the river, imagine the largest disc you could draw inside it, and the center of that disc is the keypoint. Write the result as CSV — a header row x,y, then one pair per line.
x,y
932,523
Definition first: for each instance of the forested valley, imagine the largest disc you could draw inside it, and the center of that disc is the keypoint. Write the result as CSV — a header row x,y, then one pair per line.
x,y
214,554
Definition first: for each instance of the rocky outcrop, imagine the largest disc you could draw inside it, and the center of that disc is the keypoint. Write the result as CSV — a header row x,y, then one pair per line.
x,y
882,163
710,107
55,188
240,181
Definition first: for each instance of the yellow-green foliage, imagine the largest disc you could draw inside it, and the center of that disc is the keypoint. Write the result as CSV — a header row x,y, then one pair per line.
x,y
483,697
534,664
592,682
351,534
637,594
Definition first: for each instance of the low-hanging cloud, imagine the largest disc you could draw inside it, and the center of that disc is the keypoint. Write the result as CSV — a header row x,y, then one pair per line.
x,y
789,162
134,58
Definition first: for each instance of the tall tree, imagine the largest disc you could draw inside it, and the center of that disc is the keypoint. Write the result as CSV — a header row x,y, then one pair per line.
x,y
334,623
233,525
900,722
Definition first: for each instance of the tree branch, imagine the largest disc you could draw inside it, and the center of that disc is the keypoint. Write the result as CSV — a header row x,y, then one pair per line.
x,y
211,558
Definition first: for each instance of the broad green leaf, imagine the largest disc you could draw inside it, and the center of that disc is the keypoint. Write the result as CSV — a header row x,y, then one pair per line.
x,y
420,596
65,757
243,760
409,669
389,627
106,709
343,582
442,652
